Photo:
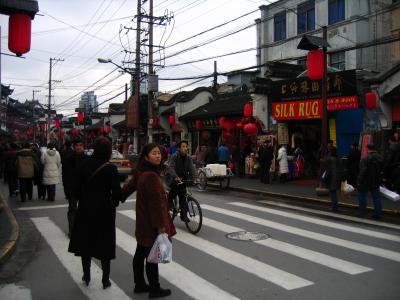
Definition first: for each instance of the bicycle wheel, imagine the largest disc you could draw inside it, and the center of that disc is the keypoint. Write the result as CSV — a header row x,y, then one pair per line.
x,y
194,216
201,181
224,182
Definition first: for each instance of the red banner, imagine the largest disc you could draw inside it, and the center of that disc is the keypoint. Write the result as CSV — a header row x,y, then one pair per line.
x,y
311,109
297,110
343,103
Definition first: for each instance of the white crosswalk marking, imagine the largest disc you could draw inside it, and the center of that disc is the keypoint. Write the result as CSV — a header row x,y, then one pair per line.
x,y
335,225
331,214
264,271
184,279
388,254
14,292
310,255
59,244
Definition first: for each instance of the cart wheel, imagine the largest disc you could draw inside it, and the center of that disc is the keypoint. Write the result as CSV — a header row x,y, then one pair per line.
x,y
201,181
224,182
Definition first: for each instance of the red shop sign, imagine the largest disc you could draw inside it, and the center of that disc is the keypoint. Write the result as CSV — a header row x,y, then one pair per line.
x,y
343,103
297,110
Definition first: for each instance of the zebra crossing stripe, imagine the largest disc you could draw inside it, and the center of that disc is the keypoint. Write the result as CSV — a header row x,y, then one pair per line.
x,y
264,271
388,254
335,225
58,242
310,255
42,207
184,279
331,214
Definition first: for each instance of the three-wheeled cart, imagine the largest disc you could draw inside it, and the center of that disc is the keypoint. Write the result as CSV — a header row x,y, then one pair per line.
x,y
214,173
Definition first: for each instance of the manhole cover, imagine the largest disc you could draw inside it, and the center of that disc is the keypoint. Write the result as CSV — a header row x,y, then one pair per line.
x,y
247,236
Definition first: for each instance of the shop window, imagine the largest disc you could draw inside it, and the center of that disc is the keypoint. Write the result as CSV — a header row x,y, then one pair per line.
x,y
306,17
280,26
336,11
338,60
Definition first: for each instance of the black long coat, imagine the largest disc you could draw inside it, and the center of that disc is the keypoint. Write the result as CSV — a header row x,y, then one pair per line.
x,y
93,232
369,176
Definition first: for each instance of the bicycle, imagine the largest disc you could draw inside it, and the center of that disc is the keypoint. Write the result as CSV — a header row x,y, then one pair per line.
x,y
194,218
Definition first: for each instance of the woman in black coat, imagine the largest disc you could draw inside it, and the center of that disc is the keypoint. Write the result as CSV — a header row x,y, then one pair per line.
x,y
98,191
332,176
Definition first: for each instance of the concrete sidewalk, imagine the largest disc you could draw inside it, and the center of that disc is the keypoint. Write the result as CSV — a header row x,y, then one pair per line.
x,y
304,189
9,230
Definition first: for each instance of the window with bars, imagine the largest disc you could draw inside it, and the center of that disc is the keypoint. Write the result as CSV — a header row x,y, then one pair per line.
x,y
280,26
338,60
306,17
336,11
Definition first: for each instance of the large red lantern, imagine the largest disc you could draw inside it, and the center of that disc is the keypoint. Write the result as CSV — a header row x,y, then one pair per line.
x,y
156,122
171,120
370,100
222,122
57,123
81,117
250,129
248,110
315,64
19,33
228,125
198,124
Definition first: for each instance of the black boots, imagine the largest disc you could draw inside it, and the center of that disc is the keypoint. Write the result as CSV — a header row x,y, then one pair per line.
x,y
159,293
141,289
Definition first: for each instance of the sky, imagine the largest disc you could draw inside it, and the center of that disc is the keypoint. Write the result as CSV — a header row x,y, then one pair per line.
x,y
79,32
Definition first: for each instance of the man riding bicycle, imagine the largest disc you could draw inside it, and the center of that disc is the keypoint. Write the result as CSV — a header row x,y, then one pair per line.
x,y
181,169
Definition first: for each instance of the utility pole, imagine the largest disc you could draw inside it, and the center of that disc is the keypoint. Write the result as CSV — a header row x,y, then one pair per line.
x,y
151,71
33,113
215,76
137,73
49,100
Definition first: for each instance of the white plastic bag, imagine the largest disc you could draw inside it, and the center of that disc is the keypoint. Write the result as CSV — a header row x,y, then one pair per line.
x,y
161,252
389,194
348,188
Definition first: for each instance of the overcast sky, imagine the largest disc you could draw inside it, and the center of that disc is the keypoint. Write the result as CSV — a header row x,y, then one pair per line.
x,y
81,31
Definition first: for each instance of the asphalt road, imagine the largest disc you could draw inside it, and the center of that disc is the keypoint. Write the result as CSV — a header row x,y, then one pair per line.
x,y
309,254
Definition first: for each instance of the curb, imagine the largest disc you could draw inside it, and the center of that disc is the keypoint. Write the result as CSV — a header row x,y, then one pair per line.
x,y
9,247
310,199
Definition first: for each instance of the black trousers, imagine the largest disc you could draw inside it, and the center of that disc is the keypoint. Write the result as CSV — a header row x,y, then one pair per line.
x,y
105,266
12,181
139,260
41,190
51,192
26,188
180,191
264,173
72,209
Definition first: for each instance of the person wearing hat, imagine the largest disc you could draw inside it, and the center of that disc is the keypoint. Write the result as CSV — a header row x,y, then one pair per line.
x,y
369,180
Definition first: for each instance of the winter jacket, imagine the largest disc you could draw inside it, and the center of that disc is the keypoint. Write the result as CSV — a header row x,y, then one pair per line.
x,y
182,166
331,164
223,154
151,204
26,163
370,176
283,161
10,167
51,167
93,232
70,167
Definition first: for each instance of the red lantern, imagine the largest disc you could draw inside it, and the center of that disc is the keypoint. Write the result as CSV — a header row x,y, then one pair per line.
x,y
108,129
57,123
198,124
248,110
370,100
222,122
250,129
315,64
19,33
239,125
156,122
80,117
171,120
228,125
101,130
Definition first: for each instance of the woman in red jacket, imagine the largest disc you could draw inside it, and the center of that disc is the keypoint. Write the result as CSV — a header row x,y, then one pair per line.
x,y
152,218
